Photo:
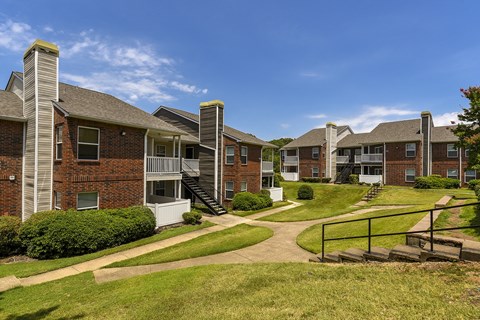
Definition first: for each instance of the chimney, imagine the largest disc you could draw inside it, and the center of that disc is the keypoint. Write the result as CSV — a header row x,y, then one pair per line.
x,y
426,131
331,150
211,147
40,87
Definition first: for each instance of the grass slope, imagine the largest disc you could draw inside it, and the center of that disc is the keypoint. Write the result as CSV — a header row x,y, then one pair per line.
x,y
25,269
234,238
330,200
260,291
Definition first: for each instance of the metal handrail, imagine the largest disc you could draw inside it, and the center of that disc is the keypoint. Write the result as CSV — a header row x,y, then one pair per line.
x,y
431,230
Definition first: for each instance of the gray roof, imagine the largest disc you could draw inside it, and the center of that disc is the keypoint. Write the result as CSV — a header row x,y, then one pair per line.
x,y
443,134
314,137
353,140
11,106
229,131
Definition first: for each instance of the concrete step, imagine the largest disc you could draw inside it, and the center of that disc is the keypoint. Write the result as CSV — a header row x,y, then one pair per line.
x,y
352,255
377,254
470,251
440,253
405,253
423,239
332,257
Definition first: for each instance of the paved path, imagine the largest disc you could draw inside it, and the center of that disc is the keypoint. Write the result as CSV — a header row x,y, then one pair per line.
x,y
281,247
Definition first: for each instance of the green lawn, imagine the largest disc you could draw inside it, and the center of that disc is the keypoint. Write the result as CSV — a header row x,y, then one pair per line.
x,y
260,291
330,200
25,269
248,213
469,216
234,238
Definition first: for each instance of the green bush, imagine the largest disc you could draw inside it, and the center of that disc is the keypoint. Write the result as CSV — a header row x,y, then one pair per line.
x,y
326,180
266,200
436,182
247,201
305,192
277,179
10,243
192,217
477,191
473,183
311,179
56,234
353,179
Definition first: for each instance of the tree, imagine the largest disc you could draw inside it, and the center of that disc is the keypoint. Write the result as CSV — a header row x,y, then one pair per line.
x,y
468,131
276,157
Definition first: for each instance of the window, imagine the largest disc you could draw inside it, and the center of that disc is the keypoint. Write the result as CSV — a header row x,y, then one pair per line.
x,y
244,155
470,175
189,153
315,172
243,186
377,150
315,153
58,142
410,175
452,173
87,200
230,154
160,188
282,154
160,150
229,190
410,149
377,171
452,151
57,200
467,153
88,142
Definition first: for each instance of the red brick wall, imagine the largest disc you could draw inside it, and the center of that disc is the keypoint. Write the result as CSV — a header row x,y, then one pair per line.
x,y
441,163
307,163
118,174
397,162
239,172
11,150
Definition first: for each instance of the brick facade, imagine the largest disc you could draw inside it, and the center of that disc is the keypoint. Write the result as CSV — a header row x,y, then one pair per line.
x,y
397,162
441,162
307,162
118,175
11,152
238,172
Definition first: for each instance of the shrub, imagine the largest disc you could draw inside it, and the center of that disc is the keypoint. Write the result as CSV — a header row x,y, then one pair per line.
x,y
55,234
10,243
265,199
326,180
277,179
311,179
436,182
353,179
477,191
473,183
305,192
247,201
192,217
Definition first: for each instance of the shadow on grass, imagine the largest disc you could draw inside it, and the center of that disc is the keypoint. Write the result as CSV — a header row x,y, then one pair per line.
x,y
40,314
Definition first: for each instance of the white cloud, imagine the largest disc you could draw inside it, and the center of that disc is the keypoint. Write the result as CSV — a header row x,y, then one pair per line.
x,y
317,116
285,125
47,29
15,36
445,119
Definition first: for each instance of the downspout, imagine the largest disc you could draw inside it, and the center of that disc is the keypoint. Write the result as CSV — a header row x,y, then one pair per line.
x,y
23,168
145,168
460,175
215,176
384,163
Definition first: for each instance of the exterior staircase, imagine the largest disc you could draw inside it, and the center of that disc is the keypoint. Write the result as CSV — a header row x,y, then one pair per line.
x,y
372,192
417,249
212,204
344,175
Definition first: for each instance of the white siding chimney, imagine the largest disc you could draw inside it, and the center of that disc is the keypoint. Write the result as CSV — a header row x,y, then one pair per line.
x,y
331,150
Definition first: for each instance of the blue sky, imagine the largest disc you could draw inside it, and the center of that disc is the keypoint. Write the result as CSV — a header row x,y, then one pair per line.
x,y
282,67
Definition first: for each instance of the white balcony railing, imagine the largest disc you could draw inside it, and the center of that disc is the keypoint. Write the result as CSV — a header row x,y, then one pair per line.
x,y
370,178
267,166
191,165
290,161
163,165
343,159
372,158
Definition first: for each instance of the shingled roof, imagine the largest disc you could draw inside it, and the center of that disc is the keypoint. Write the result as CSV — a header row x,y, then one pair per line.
x,y
443,134
314,137
11,106
229,131
353,140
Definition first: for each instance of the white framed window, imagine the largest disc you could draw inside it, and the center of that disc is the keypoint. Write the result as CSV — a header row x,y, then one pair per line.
x,y
452,173
409,175
470,175
315,172
244,154
410,149
87,200
160,150
243,186
58,142
452,151
88,143
377,150
229,155
57,204
229,193
159,188
467,153
315,152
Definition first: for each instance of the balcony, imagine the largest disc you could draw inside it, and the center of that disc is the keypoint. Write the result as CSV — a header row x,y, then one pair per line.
x,y
369,158
163,168
290,161
191,166
267,168
343,159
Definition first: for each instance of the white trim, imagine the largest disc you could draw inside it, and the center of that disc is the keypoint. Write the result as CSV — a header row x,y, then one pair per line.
x,y
88,143
52,157
215,172
465,175
414,174
23,169
88,208
246,186
233,189
452,144
176,113
35,161
161,145
456,169
145,151
414,149
246,156
206,147
384,164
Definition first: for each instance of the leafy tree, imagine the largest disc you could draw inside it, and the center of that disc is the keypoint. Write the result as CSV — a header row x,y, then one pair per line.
x,y
276,156
468,131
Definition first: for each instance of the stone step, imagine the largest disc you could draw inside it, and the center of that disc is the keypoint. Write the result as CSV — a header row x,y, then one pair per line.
x,y
423,239
470,251
332,257
352,255
405,253
377,254
440,253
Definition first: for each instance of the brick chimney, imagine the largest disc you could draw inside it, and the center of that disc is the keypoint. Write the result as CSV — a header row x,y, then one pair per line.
x,y
426,131
211,147
330,152
40,87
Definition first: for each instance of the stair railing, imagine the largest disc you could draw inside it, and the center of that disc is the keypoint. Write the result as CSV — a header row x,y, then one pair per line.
x,y
430,230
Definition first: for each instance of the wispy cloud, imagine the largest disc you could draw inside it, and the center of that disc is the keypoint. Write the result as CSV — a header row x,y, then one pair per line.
x,y
15,36
445,119
317,116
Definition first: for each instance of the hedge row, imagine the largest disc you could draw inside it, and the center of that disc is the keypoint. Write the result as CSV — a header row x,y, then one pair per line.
x,y
247,201
56,234
316,180
436,182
